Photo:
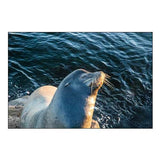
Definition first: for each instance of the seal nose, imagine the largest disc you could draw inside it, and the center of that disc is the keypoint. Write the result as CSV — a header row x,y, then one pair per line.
x,y
98,80
100,74
94,78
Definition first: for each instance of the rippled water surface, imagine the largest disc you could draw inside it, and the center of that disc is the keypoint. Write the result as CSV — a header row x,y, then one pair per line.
x,y
37,59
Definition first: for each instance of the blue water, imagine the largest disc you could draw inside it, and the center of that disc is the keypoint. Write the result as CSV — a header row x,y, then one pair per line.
x,y
37,59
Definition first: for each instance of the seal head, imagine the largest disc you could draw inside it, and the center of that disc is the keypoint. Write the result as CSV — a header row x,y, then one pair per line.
x,y
74,100
71,105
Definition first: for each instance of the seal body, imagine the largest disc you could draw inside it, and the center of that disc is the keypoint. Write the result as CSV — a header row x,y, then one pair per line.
x,y
71,105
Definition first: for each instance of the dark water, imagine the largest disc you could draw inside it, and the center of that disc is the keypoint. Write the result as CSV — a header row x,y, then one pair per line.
x,y
37,59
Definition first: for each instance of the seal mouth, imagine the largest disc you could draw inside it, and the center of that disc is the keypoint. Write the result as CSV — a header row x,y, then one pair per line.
x,y
95,81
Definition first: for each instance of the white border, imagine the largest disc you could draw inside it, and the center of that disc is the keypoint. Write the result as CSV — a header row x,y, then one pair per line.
x,y
81,15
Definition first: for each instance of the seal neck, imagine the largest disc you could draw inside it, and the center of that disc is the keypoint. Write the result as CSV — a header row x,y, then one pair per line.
x,y
89,109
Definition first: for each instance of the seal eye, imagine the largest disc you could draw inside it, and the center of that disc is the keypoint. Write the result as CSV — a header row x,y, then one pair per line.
x,y
66,84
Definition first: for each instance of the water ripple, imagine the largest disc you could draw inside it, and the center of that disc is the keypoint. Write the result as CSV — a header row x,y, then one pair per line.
x,y
36,59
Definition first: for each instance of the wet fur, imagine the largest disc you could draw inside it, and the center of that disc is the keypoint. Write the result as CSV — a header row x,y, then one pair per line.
x,y
69,106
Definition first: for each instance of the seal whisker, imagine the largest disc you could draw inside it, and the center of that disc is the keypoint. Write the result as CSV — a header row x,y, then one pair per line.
x,y
109,84
87,82
107,76
91,87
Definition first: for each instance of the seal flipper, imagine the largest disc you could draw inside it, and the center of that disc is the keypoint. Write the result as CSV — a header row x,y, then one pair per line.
x,y
94,124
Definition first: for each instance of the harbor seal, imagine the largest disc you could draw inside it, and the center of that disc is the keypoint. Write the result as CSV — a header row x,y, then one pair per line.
x,y
71,105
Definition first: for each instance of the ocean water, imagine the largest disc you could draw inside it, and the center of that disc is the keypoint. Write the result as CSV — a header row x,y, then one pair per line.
x,y
36,59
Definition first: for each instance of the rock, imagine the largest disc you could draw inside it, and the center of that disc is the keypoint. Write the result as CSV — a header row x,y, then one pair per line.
x,y
15,108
